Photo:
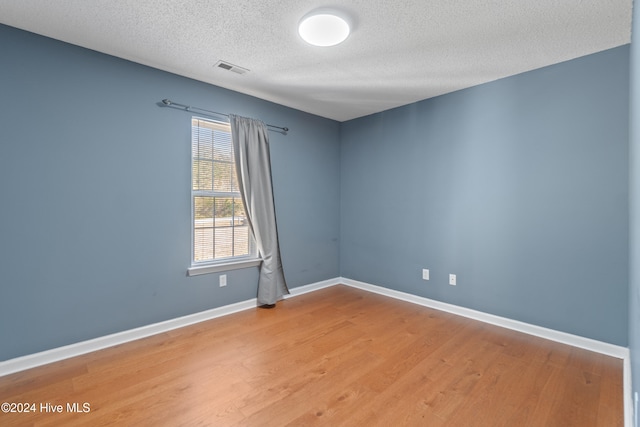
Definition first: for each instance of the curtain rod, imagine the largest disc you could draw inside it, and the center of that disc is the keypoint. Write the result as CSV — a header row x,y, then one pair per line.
x,y
169,102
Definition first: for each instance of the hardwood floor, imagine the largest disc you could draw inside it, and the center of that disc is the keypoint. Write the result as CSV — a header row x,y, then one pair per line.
x,y
336,357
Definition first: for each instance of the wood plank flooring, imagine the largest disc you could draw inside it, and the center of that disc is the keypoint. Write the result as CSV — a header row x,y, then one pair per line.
x,y
335,357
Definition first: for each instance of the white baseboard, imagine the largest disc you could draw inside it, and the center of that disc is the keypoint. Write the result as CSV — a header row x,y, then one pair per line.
x,y
300,290
550,334
72,350
627,388
49,356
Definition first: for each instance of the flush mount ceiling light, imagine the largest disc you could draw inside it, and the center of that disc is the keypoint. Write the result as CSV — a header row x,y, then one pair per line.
x,y
324,27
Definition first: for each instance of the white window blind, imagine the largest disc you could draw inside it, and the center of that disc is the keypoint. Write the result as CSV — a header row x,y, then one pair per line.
x,y
220,228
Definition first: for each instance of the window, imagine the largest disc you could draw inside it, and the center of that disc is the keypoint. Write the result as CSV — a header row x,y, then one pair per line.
x,y
220,230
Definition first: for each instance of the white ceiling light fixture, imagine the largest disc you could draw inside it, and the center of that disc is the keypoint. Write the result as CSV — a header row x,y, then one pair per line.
x,y
324,27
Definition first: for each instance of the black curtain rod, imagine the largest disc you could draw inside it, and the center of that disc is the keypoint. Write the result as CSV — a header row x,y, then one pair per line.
x,y
168,103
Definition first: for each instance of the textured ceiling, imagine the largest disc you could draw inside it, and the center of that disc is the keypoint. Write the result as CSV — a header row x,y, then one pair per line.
x,y
399,51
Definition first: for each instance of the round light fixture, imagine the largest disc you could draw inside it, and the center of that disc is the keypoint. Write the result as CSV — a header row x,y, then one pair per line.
x,y
323,28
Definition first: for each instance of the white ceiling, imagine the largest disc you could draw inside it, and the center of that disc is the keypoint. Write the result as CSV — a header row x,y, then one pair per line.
x,y
399,52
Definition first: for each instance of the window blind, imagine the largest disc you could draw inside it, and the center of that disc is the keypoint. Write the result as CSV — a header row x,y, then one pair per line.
x,y
220,227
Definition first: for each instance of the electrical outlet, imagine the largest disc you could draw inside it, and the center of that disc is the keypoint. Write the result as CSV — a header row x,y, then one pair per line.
x,y
223,280
425,274
452,279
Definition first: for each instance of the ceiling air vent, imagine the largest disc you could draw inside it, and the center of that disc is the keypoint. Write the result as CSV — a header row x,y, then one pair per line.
x,y
230,67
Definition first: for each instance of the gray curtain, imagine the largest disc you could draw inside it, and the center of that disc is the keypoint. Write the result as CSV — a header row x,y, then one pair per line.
x,y
253,164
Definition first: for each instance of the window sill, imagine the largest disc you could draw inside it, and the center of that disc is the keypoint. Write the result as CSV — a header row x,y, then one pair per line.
x,y
216,268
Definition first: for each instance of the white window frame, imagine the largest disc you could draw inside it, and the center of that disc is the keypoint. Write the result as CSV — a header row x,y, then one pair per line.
x,y
221,264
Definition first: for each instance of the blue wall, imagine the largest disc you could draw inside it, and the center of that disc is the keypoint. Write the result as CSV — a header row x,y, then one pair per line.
x,y
94,183
519,186
634,198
